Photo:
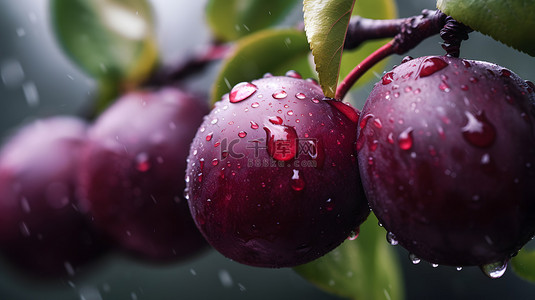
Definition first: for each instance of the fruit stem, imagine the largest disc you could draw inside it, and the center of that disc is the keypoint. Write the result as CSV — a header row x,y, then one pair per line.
x,y
379,54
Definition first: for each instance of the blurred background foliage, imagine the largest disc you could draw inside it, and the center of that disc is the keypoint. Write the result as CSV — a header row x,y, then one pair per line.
x,y
37,79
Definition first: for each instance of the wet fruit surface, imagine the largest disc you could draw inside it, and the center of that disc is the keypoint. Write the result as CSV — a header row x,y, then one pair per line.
x,y
286,188
450,173
132,173
41,229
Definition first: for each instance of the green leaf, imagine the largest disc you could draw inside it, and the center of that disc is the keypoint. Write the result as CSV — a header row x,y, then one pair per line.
x,y
233,19
326,24
111,40
269,51
373,9
366,268
512,22
524,264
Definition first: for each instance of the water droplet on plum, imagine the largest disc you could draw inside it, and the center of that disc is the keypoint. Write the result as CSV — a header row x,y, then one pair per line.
x,y
242,91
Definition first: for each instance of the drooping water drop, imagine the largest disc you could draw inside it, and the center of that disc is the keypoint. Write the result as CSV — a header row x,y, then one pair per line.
x,y
346,109
142,162
387,78
391,238
414,259
281,142
280,94
405,139
354,234
494,270
365,119
254,125
478,131
431,65
298,183
242,91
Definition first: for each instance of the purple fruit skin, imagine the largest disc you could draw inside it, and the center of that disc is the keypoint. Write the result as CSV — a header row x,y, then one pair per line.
x,y
247,205
42,231
132,174
463,192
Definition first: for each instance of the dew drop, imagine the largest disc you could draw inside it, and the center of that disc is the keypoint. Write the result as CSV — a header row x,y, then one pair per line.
x,y
377,123
414,259
214,121
473,80
276,120
280,94
365,119
242,91
459,268
443,86
391,238
267,75
293,74
346,109
390,138
434,265
387,78
406,59
215,162
312,80
494,270
315,100
298,184
505,73
290,112
464,87
478,131
281,142
329,204
254,125
405,139
300,96
255,105
242,134
142,162
466,64
209,136
431,65
374,145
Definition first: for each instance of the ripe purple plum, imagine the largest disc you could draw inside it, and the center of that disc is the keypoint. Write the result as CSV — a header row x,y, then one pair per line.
x,y
132,173
272,174
447,156
42,231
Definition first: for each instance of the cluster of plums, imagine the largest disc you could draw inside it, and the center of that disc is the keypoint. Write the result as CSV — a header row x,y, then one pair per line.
x,y
71,191
277,175
443,153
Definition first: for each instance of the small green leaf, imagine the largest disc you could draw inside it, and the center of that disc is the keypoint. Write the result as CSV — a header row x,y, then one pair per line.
x,y
373,9
512,22
269,51
233,19
366,268
326,24
524,264
109,39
